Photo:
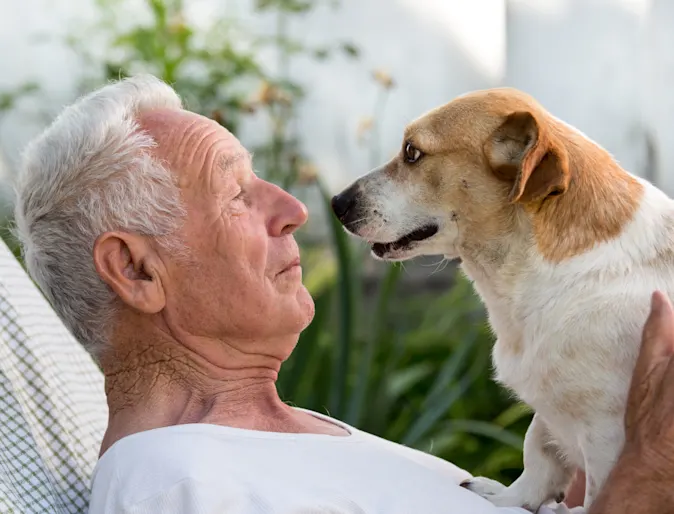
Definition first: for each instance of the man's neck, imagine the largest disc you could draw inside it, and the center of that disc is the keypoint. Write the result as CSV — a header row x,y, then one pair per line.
x,y
165,382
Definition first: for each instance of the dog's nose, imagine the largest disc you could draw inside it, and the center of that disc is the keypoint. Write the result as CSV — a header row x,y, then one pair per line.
x,y
341,204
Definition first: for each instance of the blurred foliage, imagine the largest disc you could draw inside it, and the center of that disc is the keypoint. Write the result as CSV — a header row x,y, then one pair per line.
x,y
414,369
8,99
214,68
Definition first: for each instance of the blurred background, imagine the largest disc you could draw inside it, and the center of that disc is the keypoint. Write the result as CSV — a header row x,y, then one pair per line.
x,y
321,90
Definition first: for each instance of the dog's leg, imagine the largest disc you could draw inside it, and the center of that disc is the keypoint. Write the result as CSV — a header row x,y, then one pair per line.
x,y
601,445
545,476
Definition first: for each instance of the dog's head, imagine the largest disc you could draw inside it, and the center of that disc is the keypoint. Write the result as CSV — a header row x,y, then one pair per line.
x,y
463,170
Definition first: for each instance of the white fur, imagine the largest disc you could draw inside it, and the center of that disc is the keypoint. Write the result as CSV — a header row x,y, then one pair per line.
x,y
91,171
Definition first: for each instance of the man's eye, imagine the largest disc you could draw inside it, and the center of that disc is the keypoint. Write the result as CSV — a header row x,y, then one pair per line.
x,y
242,197
412,154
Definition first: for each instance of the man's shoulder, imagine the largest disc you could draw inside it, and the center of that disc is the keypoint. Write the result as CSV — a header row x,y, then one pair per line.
x,y
162,462
174,452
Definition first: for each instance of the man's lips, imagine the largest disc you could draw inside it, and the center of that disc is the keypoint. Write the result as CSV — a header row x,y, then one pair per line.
x,y
292,264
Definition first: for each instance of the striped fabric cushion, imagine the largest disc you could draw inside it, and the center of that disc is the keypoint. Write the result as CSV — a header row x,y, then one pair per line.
x,y
52,404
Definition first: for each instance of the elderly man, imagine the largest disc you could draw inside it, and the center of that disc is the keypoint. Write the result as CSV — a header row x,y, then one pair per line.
x,y
175,265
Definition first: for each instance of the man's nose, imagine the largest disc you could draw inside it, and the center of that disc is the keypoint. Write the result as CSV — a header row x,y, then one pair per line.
x,y
343,202
288,213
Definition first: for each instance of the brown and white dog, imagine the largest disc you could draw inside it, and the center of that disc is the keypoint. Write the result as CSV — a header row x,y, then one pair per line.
x,y
563,245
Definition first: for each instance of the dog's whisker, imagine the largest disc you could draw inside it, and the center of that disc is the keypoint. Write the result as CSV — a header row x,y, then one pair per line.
x,y
434,263
365,219
381,225
445,264
439,267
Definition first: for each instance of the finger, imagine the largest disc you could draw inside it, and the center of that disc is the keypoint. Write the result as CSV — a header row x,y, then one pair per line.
x,y
658,335
575,494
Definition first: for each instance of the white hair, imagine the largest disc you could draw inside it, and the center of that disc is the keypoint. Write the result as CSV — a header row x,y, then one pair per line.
x,y
90,172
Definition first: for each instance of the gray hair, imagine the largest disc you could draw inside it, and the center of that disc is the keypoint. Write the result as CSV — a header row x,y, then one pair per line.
x,y
90,172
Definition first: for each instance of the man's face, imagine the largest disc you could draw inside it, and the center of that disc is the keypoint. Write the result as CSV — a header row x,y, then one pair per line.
x,y
241,279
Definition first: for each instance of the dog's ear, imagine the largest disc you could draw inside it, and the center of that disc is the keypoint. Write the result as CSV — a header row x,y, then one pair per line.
x,y
522,152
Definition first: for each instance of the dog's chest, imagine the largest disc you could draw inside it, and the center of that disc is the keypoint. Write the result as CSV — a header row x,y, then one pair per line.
x,y
568,333
526,370
571,349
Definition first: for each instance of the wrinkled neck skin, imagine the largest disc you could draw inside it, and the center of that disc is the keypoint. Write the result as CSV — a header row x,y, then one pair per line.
x,y
155,380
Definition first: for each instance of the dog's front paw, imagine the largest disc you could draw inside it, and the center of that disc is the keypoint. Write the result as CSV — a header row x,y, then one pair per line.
x,y
485,487
561,509
498,494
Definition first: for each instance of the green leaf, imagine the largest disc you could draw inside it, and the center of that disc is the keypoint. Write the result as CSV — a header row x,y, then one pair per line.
x,y
358,398
513,414
321,53
435,412
402,381
486,429
351,50
449,373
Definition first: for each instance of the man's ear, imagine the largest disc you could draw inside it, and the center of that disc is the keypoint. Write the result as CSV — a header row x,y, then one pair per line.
x,y
129,264
522,152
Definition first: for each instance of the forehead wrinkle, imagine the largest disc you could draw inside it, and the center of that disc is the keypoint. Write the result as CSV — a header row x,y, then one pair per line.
x,y
198,150
196,144
187,144
172,142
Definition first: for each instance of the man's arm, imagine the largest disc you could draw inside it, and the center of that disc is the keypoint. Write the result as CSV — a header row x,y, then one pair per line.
x,y
642,481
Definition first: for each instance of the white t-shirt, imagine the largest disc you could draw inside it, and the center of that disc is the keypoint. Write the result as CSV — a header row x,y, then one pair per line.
x,y
212,469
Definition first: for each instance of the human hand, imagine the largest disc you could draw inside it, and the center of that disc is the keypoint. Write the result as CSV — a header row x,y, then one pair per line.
x,y
641,481
649,415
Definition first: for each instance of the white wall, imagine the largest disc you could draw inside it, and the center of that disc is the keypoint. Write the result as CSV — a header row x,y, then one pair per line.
x,y
604,66
581,58
657,91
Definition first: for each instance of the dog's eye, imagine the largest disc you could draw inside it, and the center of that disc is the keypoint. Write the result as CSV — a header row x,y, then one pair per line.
x,y
412,154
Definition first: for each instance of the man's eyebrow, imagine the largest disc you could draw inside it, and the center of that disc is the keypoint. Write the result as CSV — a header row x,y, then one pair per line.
x,y
228,161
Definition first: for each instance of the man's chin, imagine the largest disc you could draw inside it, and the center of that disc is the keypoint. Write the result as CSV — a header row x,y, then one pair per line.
x,y
306,307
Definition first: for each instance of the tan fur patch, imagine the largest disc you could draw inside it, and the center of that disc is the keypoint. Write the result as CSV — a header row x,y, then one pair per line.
x,y
577,403
601,199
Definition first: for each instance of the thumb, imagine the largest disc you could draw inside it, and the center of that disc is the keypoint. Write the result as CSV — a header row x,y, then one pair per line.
x,y
658,334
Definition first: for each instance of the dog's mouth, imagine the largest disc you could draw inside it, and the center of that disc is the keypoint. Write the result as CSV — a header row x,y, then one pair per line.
x,y
381,249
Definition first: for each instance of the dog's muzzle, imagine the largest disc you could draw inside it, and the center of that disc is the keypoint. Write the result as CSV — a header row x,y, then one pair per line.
x,y
344,205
